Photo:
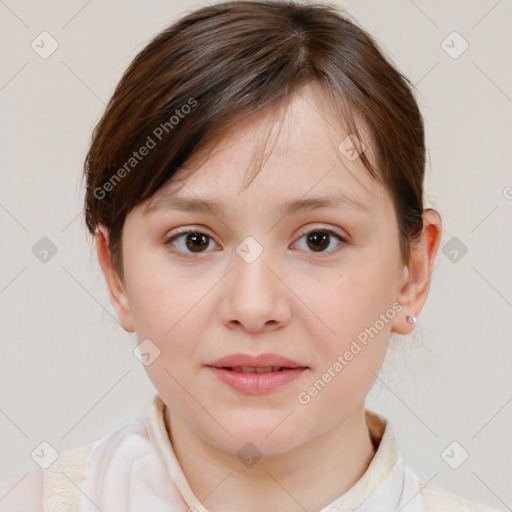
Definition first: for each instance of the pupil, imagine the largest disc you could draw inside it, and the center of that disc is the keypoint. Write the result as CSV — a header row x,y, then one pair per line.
x,y
196,240
318,238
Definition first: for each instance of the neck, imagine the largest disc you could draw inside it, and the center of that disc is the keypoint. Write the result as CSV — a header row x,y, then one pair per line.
x,y
309,477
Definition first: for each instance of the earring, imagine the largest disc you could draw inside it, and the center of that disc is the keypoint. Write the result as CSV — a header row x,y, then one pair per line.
x,y
411,319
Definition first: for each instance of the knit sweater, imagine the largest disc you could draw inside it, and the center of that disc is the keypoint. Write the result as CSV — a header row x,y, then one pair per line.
x,y
135,469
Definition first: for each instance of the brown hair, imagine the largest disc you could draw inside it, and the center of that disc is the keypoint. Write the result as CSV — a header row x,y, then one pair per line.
x,y
222,62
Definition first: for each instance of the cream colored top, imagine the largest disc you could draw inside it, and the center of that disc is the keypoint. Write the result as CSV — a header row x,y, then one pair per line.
x,y
135,469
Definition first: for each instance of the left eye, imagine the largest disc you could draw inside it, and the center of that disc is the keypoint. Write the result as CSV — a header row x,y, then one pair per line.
x,y
320,239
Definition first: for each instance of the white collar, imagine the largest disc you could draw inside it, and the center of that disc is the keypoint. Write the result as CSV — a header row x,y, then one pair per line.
x,y
129,469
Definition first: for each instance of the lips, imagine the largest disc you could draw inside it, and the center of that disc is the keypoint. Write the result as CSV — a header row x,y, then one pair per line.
x,y
260,363
259,374
258,379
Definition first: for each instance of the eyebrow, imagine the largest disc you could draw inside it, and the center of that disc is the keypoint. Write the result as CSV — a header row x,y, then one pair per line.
x,y
212,207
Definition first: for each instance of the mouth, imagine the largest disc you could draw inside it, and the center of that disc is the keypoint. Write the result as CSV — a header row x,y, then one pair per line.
x,y
259,363
255,369
255,374
256,380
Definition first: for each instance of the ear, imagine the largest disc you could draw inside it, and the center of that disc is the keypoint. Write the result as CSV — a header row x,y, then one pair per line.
x,y
415,278
115,284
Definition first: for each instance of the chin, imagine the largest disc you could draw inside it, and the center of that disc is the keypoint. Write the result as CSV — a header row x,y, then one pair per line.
x,y
264,439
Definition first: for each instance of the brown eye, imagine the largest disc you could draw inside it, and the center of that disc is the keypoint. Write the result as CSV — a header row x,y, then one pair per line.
x,y
195,242
319,240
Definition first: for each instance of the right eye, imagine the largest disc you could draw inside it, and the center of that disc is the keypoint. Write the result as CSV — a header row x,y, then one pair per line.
x,y
191,240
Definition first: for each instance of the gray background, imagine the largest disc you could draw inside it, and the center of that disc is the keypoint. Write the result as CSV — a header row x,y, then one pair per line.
x,y
67,371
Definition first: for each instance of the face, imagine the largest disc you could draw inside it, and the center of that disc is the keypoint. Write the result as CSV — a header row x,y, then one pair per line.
x,y
306,284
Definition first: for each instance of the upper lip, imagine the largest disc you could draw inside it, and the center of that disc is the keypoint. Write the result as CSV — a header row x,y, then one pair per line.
x,y
256,361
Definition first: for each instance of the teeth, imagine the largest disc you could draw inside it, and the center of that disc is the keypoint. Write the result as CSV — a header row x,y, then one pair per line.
x,y
252,369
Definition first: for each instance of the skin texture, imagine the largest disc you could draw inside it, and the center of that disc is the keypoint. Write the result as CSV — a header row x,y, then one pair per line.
x,y
304,304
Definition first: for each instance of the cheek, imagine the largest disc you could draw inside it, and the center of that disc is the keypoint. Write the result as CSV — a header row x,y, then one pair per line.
x,y
160,299
172,310
353,318
352,300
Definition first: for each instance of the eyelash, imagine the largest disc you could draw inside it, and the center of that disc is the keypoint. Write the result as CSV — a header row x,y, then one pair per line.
x,y
329,232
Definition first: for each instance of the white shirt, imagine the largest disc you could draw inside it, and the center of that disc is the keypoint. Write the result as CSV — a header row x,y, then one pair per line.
x,y
135,469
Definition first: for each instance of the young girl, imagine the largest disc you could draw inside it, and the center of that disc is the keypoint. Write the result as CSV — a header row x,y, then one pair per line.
x,y
262,282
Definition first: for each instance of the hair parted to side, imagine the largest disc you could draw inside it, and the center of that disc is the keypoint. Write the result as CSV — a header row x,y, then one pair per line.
x,y
223,62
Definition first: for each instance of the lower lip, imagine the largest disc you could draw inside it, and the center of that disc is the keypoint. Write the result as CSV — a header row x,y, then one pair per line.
x,y
256,383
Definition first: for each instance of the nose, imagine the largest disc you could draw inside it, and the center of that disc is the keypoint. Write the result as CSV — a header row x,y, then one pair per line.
x,y
255,297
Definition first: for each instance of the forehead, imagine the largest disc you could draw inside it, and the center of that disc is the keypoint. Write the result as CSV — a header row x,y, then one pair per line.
x,y
298,152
